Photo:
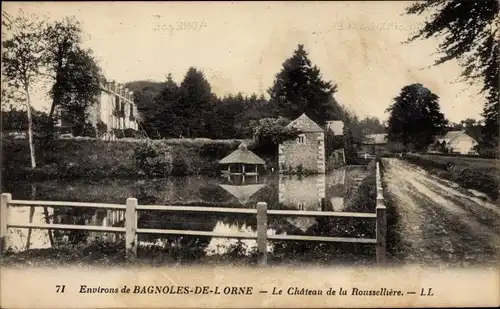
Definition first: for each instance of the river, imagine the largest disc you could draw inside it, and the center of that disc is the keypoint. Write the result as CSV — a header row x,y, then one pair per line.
x,y
278,191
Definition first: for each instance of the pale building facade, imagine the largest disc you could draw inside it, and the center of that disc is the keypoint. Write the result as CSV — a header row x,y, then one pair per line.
x,y
457,142
115,109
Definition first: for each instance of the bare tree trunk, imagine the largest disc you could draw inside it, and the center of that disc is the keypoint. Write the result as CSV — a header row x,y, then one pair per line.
x,y
30,131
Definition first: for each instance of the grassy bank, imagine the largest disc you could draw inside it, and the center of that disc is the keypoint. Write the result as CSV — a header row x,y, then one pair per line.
x,y
480,174
113,254
123,159
394,248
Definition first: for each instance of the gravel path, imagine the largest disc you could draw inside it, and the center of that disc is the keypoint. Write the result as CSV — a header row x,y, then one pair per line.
x,y
439,223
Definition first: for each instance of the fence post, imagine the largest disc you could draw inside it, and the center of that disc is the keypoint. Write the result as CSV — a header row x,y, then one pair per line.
x,y
5,199
32,213
131,227
381,224
262,232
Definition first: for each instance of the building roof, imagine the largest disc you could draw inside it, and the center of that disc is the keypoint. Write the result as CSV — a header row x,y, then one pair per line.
x,y
450,136
305,124
337,127
303,223
243,193
242,155
375,139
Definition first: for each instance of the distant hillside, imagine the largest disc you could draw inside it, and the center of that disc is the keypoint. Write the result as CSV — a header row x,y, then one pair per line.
x,y
144,85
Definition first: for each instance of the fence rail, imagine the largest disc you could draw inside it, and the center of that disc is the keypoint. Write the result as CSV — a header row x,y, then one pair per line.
x,y
129,214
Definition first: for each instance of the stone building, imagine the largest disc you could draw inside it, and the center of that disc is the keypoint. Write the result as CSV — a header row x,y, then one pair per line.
x,y
306,153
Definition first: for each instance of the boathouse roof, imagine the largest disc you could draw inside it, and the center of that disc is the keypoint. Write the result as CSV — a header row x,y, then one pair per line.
x,y
305,124
243,193
243,156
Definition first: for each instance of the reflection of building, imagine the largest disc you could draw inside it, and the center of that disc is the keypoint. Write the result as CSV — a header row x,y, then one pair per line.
x,y
302,194
336,188
307,152
242,192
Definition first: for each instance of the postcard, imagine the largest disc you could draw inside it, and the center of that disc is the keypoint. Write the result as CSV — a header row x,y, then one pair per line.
x,y
324,154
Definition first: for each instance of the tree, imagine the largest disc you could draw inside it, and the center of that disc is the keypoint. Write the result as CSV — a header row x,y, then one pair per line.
x,y
144,100
163,117
469,33
352,136
227,117
79,89
62,39
270,132
371,125
194,104
22,61
299,88
415,117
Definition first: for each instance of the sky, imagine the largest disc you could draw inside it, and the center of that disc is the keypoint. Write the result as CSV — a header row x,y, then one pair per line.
x,y
241,46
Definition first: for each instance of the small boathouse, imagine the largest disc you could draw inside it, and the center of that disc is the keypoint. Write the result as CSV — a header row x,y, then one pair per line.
x,y
242,162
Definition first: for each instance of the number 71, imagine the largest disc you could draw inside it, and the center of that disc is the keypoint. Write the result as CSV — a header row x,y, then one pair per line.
x,y
60,288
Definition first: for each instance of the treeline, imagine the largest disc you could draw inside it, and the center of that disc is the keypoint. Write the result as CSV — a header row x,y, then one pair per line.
x,y
189,109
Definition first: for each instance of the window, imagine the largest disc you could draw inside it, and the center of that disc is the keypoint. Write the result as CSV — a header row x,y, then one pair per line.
x,y
301,139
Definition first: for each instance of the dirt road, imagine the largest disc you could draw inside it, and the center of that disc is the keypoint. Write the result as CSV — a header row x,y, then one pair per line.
x,y
437,222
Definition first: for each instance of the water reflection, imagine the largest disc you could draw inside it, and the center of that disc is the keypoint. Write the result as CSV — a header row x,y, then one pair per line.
x,y
242,187
307,193
223,245
314,193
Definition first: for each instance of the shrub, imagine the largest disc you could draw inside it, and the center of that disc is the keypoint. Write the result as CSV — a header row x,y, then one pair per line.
x,y
151,162
129,132
300,169
94,158
489,152
477,180
89,130
179,165
216,151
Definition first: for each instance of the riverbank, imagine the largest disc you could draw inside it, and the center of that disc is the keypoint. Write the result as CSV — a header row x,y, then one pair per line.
x,y
174,250
109,254
95,159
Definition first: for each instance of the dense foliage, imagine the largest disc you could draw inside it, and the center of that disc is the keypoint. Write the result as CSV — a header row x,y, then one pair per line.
x,y
415,117
94,159
299,88
469,33
51,52
190,109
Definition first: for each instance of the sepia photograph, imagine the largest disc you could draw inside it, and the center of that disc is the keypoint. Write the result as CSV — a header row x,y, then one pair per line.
x,y
246,136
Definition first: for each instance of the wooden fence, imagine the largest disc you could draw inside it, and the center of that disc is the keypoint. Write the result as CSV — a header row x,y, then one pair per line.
x,y
129,213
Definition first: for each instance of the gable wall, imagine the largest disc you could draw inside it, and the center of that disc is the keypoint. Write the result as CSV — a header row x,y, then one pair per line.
x,y
311,154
